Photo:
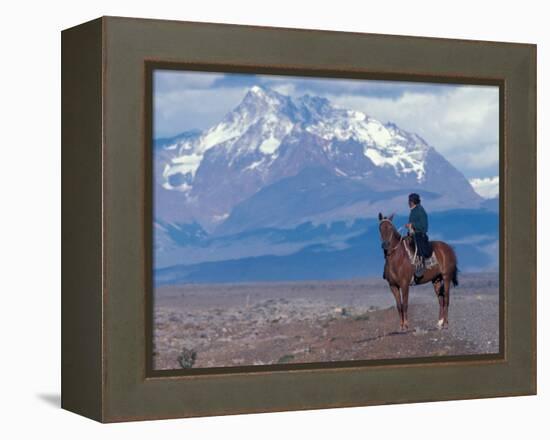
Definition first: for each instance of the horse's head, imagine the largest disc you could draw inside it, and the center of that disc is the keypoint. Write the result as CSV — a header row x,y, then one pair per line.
x,y
387,230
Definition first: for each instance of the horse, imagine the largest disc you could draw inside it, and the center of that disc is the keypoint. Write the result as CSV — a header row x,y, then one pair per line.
x,y
399,271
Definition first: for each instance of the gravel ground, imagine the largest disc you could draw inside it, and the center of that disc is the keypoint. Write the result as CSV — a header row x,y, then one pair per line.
x,y
273,323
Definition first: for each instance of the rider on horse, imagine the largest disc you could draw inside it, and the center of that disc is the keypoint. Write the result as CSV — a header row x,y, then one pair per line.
x,y
418,227
400,268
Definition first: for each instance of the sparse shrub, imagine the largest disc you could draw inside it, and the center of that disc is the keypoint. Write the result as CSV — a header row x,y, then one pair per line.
x,y
187,358
285,359
361,317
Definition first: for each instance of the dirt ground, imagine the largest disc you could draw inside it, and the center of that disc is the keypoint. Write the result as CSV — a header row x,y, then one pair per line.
x,y
314,321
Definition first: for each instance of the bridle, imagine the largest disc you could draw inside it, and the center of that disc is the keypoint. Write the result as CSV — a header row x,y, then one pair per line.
x,y
391,251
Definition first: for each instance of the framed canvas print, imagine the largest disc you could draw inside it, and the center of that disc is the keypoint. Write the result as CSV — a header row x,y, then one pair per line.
x,y
264,219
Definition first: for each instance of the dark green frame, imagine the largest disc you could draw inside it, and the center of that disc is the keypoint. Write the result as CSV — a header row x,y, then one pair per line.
x,y
106,217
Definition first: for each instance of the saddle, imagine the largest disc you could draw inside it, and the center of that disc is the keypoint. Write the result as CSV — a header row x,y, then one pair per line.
x,y
414,257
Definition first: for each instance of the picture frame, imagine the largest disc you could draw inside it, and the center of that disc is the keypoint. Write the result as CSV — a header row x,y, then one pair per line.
x,y
106,218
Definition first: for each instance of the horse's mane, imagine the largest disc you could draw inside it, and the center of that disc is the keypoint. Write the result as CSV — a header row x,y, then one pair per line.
x,y
396,235
395,232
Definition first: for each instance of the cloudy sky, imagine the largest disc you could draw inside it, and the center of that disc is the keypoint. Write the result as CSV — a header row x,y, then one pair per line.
x,y
460,121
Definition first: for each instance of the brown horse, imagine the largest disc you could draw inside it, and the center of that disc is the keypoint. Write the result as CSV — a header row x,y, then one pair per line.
x,y
399,271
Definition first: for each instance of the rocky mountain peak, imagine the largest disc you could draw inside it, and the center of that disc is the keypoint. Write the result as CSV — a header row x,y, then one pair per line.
x,y
269,136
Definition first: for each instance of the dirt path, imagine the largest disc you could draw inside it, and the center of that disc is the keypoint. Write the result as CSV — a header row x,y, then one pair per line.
x,y
236,325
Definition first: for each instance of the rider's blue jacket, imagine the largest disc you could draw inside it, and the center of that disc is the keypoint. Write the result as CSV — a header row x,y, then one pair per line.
x,y
419,219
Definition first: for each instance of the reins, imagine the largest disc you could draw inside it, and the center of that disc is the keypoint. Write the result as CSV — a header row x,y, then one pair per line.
x,y
401,239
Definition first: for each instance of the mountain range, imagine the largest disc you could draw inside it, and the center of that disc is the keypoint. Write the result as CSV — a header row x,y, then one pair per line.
x,y
276,163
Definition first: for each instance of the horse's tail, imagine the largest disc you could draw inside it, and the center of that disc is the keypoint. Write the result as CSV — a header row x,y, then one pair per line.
x,y
455,277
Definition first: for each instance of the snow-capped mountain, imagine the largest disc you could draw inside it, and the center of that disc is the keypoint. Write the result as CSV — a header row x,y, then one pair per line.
x,y
205,176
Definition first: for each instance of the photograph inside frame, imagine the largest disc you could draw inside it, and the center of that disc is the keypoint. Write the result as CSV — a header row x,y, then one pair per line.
x,y
302,220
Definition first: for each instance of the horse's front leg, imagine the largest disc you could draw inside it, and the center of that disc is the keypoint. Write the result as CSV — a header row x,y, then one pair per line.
x,y
397,296
405,306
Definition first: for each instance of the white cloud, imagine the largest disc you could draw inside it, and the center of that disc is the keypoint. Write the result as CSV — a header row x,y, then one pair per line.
x,y
185,100
184,109
462,123
487,188
287,88
173,80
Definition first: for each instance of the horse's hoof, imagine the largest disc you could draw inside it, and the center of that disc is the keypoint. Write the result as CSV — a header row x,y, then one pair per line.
x,y
440,324
445,325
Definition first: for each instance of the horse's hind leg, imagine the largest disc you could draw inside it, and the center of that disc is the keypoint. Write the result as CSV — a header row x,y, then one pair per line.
x,y
440,295
447,293
397,296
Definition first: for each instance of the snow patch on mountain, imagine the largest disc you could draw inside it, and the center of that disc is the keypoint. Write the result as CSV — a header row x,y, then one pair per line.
x,y
220,133
258,124
184,164
270,145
